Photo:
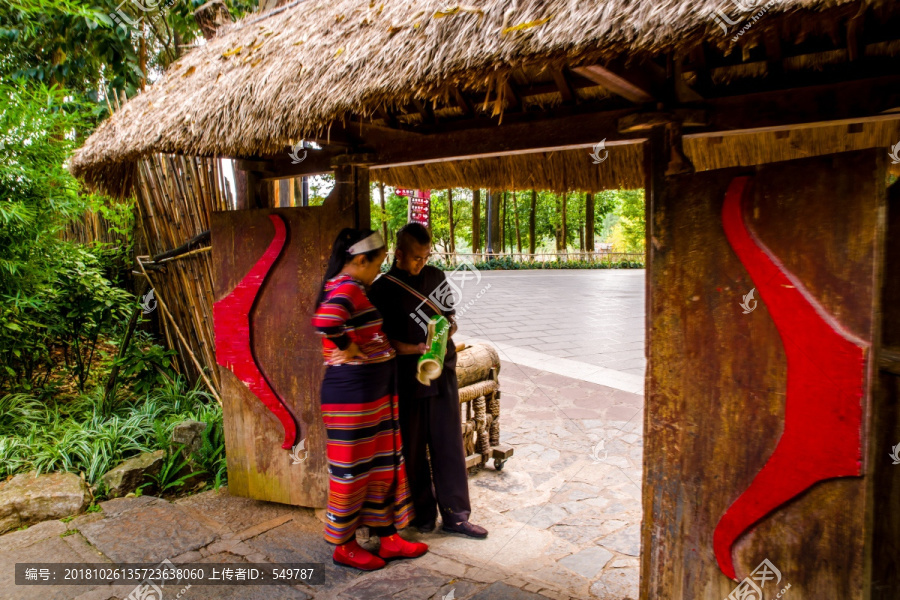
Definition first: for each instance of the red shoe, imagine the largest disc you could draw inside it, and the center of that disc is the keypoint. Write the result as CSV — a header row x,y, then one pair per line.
x,y
394,546
353,555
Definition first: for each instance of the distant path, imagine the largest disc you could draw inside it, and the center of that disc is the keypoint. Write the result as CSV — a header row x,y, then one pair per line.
x,y
586,324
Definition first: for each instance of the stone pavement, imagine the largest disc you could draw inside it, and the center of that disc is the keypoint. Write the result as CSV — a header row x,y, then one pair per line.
x,y
593,316
564,514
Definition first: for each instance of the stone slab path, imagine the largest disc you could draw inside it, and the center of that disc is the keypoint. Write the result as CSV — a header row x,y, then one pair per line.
x,y
564,514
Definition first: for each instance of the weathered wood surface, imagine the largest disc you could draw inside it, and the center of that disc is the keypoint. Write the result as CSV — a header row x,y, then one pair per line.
x,y
716,379
475,362
285,346
885,483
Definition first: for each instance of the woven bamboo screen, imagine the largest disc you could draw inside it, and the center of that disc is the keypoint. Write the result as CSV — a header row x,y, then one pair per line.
x,y
175,195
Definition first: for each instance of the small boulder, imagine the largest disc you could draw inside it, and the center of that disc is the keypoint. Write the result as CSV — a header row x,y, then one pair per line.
x,y
31,498
188,433
125,477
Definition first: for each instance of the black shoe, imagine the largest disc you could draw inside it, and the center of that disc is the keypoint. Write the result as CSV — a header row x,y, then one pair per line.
x,y
466,528
426,527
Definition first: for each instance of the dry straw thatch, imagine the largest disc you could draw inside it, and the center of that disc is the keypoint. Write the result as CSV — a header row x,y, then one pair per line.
x,y
560,171
272,79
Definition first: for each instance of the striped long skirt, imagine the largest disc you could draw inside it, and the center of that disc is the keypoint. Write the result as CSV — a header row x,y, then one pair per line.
x,y
366,476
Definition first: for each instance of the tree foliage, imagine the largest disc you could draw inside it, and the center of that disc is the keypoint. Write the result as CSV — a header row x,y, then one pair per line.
x,y
55,295
622,208
97,50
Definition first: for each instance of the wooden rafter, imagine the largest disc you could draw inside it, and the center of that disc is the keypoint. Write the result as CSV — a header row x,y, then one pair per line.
x,y
563,85
632,85
424,109
512,97
463,102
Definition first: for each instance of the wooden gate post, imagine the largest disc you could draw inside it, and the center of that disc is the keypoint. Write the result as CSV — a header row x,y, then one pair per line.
x,y
742,410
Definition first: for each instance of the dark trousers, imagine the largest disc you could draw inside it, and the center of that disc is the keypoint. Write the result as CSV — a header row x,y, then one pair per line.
x,y
383,531
434,422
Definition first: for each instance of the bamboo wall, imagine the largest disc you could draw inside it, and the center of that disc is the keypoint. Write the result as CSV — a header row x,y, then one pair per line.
x,y
175,196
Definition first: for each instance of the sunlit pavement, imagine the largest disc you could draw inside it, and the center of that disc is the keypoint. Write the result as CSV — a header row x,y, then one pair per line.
x,y
564,514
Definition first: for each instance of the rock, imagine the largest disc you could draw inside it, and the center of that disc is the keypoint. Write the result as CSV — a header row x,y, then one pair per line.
x,y
128,475
589,562
621,584
188,433
31,498
625,541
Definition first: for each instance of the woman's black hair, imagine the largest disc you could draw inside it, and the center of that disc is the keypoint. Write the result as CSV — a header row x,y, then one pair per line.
x,y
340,255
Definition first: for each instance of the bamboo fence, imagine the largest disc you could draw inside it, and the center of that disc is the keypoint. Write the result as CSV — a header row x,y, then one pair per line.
x,y
175,196
91,227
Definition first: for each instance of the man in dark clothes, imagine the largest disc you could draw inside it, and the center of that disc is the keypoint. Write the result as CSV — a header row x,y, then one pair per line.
x,y
407,296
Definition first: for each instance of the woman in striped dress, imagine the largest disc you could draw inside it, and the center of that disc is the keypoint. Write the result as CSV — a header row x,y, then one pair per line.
x,y
367,477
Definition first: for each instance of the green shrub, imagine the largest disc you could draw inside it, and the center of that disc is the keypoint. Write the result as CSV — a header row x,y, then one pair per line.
x,y
91,436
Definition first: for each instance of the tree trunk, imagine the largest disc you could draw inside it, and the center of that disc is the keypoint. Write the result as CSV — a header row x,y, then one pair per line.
x,y
557,230
142,59
564,224
493,222
531,223
518,231
589,222
476,221
384,227
503,227
452,248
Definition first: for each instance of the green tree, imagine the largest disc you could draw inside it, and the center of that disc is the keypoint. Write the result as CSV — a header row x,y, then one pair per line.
x,y
53,293
629,231
93,50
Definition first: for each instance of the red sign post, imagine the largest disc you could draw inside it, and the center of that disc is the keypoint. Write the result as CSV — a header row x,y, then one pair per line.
x,y
419,206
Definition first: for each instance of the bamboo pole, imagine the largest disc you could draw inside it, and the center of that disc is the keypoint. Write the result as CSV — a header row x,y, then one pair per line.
x,y
187,347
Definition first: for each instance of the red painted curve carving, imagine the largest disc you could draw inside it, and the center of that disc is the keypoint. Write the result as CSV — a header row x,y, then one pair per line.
x,y
826,375
234,351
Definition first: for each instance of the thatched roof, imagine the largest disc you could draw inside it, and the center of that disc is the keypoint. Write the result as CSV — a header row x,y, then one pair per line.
x,y
571,170
559,171
272,79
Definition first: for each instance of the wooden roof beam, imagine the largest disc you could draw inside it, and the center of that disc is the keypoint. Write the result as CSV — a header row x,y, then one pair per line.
x,y
637,86
424,109
463,102
563,85
512,98
388,118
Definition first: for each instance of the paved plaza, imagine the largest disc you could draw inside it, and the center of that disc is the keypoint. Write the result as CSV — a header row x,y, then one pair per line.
x,y
564,514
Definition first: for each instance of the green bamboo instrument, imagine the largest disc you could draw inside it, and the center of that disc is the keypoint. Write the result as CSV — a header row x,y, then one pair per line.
x,y
432,362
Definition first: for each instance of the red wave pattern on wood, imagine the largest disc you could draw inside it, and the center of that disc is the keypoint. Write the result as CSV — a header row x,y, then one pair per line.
x,y
234,351
826,375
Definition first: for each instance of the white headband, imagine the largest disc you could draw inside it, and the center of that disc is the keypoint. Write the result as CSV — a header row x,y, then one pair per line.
x,y
372,242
